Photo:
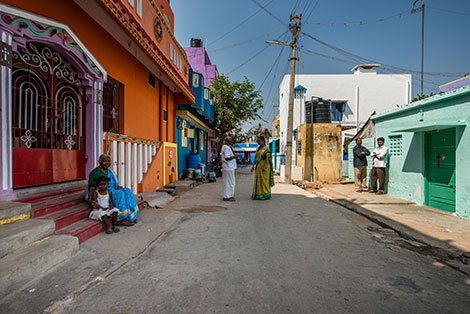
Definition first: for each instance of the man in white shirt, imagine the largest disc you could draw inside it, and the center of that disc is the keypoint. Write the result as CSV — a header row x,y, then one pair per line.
x,y
379,160
229,164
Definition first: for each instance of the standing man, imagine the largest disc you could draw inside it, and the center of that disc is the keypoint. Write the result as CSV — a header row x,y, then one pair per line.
x,y
229,164
360,165
379,159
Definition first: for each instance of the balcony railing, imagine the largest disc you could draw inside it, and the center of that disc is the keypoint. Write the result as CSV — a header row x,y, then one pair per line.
x,y
130,157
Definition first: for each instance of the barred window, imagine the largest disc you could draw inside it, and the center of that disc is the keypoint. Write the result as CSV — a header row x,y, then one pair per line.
x,y
112,98
396,145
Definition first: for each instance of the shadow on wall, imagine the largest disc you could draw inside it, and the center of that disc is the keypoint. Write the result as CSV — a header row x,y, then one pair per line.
x,y
414,158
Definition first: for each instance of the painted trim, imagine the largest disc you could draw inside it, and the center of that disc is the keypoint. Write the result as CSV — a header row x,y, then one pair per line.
x,y
194,119
173,145
175,158
465,91
454,81
44,20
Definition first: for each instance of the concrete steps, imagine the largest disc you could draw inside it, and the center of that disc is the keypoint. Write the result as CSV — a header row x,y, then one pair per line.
x,y
22,265
179,187
30,247
69,215
83,230
13,211
22,233
50,189
51,204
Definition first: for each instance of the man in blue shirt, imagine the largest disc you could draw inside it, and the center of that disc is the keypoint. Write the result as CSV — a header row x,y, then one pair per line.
x,y
360,165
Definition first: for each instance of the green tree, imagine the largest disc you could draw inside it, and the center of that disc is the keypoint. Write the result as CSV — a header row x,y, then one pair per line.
x,y
235,103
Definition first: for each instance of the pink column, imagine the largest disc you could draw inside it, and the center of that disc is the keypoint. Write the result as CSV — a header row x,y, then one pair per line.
x,y
6,149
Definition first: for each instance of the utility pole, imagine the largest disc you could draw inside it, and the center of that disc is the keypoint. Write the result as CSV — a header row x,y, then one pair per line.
x,y
422,41
294,26
422,47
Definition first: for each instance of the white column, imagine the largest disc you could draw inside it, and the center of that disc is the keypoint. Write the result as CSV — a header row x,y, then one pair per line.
x,y
99,130
128,167
134,168
114,156
122,165
149,156
145,161
140,161
154,150
357,109
6,145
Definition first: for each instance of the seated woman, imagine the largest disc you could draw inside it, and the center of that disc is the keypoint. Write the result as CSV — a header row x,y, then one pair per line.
x,y
122,198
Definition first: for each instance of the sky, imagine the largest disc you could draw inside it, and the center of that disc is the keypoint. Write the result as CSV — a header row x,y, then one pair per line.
x,y
382,31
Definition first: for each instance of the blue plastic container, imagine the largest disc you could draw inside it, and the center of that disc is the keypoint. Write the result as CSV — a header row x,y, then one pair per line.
x,y
194,160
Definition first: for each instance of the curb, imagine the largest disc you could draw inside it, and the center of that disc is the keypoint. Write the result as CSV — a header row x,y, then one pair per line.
x,y
407,233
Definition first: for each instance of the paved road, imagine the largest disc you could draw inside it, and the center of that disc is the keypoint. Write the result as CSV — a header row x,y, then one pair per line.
x,y
294,253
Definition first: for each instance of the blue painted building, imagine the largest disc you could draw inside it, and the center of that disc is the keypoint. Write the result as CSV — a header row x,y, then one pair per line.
x,y
193,126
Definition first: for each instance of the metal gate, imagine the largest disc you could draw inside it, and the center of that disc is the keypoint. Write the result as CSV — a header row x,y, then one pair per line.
x,y
48,118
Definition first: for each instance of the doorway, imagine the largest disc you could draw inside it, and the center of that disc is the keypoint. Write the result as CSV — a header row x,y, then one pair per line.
x,y
440,169
48,121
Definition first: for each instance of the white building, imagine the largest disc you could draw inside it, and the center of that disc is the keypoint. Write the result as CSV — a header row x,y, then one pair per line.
x,y
354,97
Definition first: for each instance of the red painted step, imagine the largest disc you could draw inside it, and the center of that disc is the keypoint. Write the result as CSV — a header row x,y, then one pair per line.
x,y
49,206
40,197
83,229
68,216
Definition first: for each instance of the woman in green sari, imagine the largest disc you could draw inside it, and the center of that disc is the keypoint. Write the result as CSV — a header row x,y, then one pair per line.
x,y
264,175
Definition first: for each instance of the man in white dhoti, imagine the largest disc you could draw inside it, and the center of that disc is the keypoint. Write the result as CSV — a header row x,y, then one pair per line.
x,y
229,164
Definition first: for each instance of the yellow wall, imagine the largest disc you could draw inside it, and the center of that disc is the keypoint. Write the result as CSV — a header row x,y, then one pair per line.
x,y
320,147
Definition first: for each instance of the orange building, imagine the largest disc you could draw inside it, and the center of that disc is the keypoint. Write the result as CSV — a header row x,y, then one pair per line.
x,y
83,77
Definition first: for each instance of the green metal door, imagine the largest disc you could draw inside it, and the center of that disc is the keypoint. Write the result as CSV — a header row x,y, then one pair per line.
x,y
440,164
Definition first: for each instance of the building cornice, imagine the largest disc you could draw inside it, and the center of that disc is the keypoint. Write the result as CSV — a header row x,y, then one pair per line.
x,y
125,18
168,28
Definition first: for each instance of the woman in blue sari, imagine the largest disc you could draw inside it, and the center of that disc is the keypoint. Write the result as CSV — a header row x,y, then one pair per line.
x,y
122,198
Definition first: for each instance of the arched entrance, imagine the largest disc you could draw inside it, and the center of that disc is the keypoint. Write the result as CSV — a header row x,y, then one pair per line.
x,y
51,109
48,103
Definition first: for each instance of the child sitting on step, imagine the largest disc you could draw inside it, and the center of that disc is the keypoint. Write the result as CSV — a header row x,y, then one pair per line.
x,y
103,208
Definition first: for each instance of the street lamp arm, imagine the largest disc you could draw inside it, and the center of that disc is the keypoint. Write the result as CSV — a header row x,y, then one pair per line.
x,y
278,43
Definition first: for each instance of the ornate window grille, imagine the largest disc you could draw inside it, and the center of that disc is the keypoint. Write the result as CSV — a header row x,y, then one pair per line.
x,y
112,98
47,100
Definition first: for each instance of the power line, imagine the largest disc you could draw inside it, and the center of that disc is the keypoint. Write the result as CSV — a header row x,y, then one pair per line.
x,y
244,42
253,57
384,68
241,23
450,11
362,59
276,61
363,22
269,12
313,10
249,59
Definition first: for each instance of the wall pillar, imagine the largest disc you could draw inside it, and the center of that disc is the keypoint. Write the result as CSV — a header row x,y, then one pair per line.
x,y
94,123
6,147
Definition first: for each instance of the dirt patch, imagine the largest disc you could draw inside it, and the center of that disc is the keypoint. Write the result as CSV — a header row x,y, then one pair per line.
x,y
200,209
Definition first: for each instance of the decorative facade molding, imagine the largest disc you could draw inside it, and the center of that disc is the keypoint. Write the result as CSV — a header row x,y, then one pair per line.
x,y
126,19
25,26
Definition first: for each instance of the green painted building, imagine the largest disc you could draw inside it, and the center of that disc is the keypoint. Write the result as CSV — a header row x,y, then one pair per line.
x,y
429,150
